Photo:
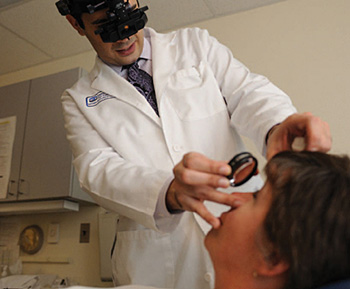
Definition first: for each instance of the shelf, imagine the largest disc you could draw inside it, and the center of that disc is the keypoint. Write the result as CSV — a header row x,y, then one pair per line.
x,y
30,207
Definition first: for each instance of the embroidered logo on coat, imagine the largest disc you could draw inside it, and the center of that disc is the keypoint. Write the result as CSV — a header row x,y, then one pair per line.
x,y
97,98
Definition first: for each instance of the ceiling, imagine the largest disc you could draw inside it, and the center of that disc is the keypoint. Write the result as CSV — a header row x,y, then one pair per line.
x,y
33,32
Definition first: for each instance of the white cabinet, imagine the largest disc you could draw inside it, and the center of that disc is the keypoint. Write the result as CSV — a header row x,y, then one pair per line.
x,y
41,166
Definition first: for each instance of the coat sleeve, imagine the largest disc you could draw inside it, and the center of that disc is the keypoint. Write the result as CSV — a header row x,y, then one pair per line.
x,y
254,103
103,173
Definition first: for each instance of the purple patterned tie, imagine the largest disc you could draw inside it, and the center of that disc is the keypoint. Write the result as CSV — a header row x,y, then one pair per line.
x,y
143,82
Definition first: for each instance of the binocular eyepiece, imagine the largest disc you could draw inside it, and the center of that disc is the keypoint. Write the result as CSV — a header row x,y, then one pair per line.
x,y
122,19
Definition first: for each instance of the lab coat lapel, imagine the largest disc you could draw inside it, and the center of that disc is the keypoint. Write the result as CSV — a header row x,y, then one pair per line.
x,y
105,76
163,60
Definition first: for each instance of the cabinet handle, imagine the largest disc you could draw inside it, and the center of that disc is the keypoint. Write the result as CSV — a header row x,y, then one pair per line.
x,y
10,188
21,181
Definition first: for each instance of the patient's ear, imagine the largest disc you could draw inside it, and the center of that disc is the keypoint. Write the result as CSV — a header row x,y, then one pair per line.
x,y
269,260
272,265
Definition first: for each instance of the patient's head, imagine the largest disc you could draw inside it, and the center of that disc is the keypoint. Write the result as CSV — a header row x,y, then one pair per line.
x,y
294,233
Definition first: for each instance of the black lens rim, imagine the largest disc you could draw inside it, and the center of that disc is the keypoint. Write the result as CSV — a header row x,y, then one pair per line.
x,y
239,160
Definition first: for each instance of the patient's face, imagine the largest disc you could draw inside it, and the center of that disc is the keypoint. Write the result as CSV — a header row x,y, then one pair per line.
x,y
234,245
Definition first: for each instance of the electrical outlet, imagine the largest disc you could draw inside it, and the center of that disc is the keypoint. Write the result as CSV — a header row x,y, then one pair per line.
x,y
85,233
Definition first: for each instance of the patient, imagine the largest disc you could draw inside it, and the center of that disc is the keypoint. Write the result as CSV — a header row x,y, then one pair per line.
x,y
292,234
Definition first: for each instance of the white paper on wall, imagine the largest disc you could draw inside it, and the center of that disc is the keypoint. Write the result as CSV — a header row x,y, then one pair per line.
x,y
7,137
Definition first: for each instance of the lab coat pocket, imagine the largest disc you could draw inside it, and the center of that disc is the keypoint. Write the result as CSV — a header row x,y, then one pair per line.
x,y
194,93
143,257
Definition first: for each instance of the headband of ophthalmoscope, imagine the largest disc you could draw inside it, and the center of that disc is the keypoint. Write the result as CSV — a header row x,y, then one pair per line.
x,y
123,20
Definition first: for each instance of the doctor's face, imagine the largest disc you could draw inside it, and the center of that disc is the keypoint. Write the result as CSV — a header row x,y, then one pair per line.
x,y
121,52
233,246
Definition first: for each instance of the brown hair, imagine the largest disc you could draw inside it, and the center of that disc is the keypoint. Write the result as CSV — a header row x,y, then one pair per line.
x,y
308,222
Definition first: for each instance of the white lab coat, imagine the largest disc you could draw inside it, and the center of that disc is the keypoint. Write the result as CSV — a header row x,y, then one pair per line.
x,y
124,153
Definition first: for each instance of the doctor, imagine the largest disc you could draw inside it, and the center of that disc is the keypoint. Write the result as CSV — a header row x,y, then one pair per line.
x,y
156,164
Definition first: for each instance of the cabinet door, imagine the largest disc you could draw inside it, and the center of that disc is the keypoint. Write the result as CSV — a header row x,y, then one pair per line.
x,y
13,102
47,160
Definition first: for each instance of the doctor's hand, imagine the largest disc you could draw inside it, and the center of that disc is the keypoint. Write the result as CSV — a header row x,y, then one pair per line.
x,y
315,132
196,180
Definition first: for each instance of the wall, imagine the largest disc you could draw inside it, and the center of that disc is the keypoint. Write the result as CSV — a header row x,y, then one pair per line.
x,y
301,45
83,258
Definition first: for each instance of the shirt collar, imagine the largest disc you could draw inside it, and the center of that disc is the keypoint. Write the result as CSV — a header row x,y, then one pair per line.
x,y
146,51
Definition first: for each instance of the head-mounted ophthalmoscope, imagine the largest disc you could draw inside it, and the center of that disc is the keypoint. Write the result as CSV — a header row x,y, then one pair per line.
x,y
123,19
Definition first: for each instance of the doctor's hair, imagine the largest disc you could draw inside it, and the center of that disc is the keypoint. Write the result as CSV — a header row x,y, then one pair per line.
x,y
77,8
308,223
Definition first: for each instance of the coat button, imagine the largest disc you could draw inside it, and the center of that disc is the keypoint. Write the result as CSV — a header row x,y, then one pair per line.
x,y
208,277
176,148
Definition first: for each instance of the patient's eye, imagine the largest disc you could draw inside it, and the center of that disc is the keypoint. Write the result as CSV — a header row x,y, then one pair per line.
x,y
255,194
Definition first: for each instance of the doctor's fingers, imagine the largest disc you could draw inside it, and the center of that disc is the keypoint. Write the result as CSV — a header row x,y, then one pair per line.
x,y
197,178
197,206
205,193
313,129
316,131
198,162
318,135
